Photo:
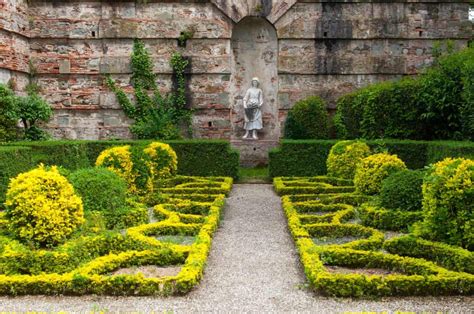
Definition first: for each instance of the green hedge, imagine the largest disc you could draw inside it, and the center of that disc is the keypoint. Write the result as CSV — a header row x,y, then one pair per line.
x,y
300,158
435,105
13,160
381,218
451,257
308,157
195,157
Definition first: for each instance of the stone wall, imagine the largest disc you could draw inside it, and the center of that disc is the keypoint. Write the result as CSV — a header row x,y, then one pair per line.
x,y
74,44
14,43
324,48
351,44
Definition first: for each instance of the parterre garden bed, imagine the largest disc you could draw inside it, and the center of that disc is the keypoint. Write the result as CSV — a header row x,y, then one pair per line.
x,y
363,263
159,247
371,227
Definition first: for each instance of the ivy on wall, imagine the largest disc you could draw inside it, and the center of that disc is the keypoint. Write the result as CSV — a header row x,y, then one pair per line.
x,y
155,116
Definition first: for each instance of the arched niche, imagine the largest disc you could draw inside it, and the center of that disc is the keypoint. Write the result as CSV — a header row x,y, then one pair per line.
x,y
254,47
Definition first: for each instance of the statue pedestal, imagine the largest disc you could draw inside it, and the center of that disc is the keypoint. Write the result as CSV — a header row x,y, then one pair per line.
x,y
253,153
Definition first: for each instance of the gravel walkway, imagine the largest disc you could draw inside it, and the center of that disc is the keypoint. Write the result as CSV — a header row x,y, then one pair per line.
x,y
253,267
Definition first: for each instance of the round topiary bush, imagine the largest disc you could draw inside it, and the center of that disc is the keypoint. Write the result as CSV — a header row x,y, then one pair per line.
x,y
402,190
308,119
371,171
100,189
119,160
163,161
344,157
448,203
41,206
140,166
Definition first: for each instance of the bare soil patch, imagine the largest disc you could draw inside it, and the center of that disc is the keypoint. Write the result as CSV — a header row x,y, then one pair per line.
x,y
361,271
330,240
149,271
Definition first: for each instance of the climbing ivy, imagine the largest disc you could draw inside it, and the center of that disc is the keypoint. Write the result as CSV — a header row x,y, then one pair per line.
x,y
155,116
179,64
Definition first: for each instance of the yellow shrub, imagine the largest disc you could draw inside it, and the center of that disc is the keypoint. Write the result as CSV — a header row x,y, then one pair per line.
x,y
448,203
139,166
41,206
372,170
344,157
162,162
119,160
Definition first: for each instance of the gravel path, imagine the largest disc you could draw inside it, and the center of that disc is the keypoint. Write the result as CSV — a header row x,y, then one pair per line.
x,y
253,267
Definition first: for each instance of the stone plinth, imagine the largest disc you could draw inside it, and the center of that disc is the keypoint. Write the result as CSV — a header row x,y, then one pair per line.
x,y
253,153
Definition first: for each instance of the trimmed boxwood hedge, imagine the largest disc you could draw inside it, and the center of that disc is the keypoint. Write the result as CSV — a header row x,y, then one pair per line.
x,y
416,271
451,257
13,160
83,264
195,157
308,157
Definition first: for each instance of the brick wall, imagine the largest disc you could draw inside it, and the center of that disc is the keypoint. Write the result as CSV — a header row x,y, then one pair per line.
x,y
324,48
14,43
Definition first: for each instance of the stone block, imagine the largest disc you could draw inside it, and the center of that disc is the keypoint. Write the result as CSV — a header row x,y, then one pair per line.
x,y
5,76
114,65
64,66
253,153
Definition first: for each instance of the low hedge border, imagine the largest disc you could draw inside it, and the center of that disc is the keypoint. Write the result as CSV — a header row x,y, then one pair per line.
x,y
218,185
305,158
448,256
420,277
388,219
195,157
373,238
197,215
287,186
328,198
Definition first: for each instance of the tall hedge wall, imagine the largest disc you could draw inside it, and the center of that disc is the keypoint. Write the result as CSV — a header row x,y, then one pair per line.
x,y
308,157
195,157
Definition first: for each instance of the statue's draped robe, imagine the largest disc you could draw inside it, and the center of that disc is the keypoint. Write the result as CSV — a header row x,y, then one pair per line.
x,y
253,113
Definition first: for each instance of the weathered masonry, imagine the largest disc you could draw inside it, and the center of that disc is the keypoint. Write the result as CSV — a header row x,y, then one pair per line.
x,y
296,48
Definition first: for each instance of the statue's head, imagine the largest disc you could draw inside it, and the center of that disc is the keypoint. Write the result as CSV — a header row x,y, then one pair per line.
x,y
255,82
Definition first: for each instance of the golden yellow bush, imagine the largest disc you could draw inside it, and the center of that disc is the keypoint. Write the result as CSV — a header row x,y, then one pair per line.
x,y
41,206
448,203
372,170
139,166
119,160
163,161
344,157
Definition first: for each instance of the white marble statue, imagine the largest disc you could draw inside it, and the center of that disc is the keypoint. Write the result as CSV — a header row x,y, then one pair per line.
x,y
253,102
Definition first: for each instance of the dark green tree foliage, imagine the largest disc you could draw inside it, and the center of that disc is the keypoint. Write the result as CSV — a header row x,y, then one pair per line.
x,y
382,110
467,110
155,116
402,190
7,123
30,110
438,104
307,119
446,96
348,116
99,188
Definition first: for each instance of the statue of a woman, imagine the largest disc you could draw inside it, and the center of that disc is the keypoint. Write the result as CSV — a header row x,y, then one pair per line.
x,y
253,102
